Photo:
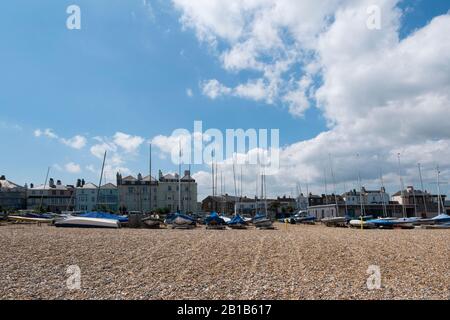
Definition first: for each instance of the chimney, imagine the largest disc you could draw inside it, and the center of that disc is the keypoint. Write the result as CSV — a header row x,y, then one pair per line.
x,y
31,185
83,182
160,174
139,177
51,183
187,173
78,183
58,182
2,177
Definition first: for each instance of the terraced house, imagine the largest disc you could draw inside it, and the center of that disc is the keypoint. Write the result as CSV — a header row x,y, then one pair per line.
x,y
12,196
54,197
148,194
86,197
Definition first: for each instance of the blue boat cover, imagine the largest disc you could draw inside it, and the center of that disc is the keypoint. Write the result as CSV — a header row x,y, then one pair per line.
x,y
172,216
442,218
237,219
214,218
104,215
259,216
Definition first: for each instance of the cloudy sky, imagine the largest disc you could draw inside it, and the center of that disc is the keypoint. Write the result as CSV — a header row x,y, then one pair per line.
x,y
138,70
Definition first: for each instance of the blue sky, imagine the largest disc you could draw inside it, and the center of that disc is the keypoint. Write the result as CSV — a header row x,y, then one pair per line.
x,y
127,70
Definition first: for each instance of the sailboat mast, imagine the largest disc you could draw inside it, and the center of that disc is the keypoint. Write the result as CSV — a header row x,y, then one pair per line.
x,y
334,186
439,189
43,191
423,191
402,186
361,199
240,197
235,189
265,191
179,180
150,180
382,193
100,182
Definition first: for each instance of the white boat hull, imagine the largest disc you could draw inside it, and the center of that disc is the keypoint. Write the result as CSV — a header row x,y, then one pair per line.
x,y
80,222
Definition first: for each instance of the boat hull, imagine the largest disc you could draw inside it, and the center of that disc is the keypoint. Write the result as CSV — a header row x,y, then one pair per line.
x,y
78,222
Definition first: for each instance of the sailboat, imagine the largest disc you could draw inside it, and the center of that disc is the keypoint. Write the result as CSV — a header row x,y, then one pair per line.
x,y
93,219
442,220
179,220
262,221
237,222
151,222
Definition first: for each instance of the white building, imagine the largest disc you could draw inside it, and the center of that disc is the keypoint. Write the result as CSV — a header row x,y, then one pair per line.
x,y
142,193
86,197
368,197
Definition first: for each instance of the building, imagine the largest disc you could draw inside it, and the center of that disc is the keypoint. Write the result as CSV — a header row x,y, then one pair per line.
x,y
249,206
419,203
368,197
86,197
147,194
52,198
12,196
302,202
355,211
168,194
224,204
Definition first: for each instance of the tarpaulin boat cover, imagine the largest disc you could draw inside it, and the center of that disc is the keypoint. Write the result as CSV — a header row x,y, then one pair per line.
x,y
259,216
214,218
104,215
172,216
442,217
237,219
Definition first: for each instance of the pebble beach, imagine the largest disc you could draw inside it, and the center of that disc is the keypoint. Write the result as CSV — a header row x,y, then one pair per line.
x,y
297,262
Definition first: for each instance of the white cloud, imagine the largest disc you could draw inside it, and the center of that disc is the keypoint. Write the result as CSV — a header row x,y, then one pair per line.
x,y
379,94
128,142
77,142
214,89
189,93
72,167
45,133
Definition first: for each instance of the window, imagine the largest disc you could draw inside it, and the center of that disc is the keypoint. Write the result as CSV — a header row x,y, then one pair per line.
x,y
169,188
130,190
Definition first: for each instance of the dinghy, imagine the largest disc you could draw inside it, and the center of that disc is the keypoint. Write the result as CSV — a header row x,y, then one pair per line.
x,y
104,215
82,222
214,222
30,220
151,223
182,221
237,223
335,221
362,224
260,221
442,218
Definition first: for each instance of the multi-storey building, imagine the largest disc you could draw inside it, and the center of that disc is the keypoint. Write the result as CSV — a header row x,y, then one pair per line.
x,y
354,197
86,197
421,203
52,197
12,196
148,194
